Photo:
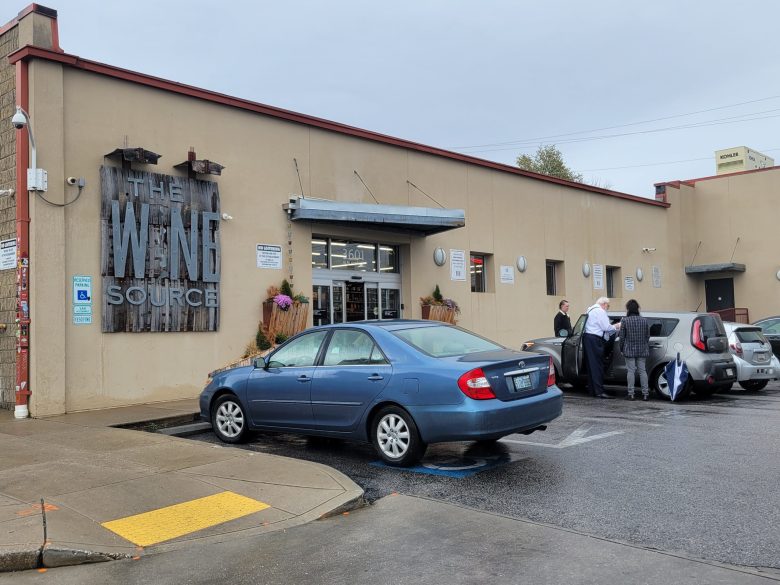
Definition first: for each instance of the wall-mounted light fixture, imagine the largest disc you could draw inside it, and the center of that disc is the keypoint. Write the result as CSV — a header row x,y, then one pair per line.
x,y
585,269
639,274
439,256
522,263
648,249
37,179
227,216
778,275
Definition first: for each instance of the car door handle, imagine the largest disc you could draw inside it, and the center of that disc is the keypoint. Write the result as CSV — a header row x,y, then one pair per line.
x,y
304,378
374,377
656,345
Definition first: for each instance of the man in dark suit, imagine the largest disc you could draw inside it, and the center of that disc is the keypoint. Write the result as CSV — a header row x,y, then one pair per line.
x,y
562,320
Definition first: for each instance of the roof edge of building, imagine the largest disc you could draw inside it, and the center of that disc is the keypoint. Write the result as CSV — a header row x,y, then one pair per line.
x,y
29,52
692,182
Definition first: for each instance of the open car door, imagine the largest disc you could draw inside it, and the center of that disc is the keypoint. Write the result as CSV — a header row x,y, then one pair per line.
x,y
572,352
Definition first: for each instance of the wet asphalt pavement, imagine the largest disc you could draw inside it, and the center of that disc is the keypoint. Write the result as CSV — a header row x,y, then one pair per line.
x,y
701,477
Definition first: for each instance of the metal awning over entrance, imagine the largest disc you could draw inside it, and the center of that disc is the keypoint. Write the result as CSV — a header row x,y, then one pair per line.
x,y
711,268
422,221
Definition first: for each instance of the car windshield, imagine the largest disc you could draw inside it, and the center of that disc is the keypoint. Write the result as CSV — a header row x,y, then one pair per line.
x,y
444,341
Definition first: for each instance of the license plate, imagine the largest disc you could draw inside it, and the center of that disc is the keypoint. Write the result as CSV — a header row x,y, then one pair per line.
x,y
729,372
521,382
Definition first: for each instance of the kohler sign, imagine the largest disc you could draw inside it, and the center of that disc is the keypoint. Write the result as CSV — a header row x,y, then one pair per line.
x,y
160,252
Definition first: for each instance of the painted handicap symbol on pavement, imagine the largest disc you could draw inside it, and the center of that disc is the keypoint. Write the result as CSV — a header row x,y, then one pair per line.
x,y
451,466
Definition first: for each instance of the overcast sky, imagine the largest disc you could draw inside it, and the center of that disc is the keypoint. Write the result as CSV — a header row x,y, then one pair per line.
x,y
494,79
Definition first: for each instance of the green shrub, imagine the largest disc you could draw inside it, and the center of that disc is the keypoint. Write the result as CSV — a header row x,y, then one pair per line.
x,y
262,340
437,296
280,338
286,289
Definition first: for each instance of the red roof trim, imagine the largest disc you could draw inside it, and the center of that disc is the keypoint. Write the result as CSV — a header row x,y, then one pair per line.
x,y
37,8
30,52
692,182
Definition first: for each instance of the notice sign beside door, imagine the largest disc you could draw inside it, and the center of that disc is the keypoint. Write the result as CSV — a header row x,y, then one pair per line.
x,y
269,256
7,254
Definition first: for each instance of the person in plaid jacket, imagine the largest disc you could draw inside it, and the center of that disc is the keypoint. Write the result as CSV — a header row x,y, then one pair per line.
x,y
635,345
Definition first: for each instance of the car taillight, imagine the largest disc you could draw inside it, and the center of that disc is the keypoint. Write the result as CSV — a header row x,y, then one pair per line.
x,y
551,375
696,338
737,347
475,385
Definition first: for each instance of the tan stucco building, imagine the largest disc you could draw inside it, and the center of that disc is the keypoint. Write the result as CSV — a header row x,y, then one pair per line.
x,y
513,243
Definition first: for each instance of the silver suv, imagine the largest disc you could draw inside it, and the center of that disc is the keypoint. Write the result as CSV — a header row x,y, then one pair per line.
x,y
756,364
700,339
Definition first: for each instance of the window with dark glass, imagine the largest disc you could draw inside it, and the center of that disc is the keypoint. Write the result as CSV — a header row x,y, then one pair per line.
x,y
319,253
388,258
477,269
613,281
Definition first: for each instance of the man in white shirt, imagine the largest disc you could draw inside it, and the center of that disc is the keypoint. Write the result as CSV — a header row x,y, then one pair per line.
x,y
598,330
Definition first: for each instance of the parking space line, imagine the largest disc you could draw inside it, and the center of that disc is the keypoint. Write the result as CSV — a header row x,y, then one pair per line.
x,y
577,437
180,519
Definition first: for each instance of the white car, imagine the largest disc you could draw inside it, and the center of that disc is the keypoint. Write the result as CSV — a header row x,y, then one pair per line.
x,y
756,364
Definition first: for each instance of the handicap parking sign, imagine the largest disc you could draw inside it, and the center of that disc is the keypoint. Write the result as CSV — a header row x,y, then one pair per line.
x,y
82,290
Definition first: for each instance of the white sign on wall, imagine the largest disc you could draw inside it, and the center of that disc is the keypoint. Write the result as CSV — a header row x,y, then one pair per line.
x,y
457,265
656,276
269,256
598,277
629,282
507,274
7,254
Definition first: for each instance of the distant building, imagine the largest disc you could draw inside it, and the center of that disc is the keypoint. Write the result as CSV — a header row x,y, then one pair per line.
x,y
740,158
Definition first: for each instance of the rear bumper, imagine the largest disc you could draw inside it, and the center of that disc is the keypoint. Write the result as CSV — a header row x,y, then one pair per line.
x,y
486,419
717,373
746,371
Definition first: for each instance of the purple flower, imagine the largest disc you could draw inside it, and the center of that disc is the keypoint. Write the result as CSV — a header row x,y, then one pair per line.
x,y
283,301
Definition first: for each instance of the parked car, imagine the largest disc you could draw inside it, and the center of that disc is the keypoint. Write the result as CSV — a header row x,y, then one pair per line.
x,y
700,339
399,384
771,328
756,364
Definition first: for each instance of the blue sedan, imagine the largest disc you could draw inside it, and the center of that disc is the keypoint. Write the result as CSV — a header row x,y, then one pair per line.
x,y
398,384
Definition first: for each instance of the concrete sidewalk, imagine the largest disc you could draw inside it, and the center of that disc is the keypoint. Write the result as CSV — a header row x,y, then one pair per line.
x,y
114,492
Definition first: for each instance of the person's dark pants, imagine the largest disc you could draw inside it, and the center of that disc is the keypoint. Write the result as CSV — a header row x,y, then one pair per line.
x,y
594,356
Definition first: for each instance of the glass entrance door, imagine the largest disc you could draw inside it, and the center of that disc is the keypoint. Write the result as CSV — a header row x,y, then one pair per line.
x,y
355,301
391,303
320,302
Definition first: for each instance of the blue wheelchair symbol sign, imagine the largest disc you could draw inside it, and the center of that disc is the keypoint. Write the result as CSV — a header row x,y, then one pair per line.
x,y
83,295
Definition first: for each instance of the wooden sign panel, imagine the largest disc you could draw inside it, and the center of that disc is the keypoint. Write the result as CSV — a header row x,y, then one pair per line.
x,y
160,252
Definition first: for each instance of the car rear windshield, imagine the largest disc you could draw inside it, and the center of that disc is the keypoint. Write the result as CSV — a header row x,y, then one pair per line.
x,y
750,336
445,341
711,326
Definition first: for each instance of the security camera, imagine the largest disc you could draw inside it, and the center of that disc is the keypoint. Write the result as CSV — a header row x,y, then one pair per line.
x,y
72,180
19,120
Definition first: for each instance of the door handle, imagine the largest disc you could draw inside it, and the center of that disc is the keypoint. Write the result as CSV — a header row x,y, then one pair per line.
x,y
374,377
656,345
304,378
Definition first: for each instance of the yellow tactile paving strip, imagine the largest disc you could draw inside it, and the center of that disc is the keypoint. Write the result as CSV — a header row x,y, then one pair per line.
x,y
185,518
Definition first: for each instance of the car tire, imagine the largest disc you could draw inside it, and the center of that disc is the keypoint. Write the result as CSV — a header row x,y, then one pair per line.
x,y
661,386
754,384
228,419
396,438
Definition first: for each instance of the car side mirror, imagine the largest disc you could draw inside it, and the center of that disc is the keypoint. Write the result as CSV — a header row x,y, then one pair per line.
x,y
261,362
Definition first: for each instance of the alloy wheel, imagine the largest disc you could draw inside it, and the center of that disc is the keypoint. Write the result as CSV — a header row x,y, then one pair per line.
x,y
393,436
230,419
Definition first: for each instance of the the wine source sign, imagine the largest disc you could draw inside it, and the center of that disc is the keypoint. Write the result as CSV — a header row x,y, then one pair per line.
x,y
160,252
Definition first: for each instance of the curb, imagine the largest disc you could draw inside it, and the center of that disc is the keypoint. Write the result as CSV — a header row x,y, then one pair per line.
x,y
52,556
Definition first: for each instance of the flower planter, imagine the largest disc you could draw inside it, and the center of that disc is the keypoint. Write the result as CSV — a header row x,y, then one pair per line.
x,y
439,313
287,322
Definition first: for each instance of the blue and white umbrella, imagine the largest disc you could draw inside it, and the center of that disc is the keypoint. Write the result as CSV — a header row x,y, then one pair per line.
x,y
676,375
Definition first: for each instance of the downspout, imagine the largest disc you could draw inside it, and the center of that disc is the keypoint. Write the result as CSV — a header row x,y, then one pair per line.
x,y
21,410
